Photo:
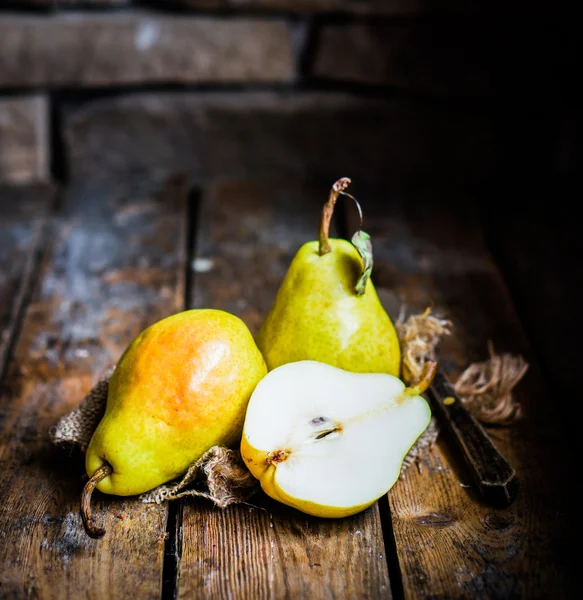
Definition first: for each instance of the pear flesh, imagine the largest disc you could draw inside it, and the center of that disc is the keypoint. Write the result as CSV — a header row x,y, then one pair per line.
x,y
181,387
330,442
317,315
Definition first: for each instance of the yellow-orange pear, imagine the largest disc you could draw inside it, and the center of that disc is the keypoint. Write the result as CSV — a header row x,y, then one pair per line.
x,y
181,387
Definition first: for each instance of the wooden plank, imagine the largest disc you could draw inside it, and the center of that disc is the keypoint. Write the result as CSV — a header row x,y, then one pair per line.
x,y
248,235
415,55
24,136
183,50
253,135
23,213
430,250
114,264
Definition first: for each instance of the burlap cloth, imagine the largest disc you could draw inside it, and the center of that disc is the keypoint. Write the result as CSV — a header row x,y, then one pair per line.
x,y
220,474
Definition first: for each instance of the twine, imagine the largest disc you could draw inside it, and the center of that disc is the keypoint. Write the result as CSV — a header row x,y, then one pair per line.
x,y
486,388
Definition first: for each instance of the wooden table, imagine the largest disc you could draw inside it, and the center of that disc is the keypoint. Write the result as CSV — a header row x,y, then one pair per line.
x,y
85,268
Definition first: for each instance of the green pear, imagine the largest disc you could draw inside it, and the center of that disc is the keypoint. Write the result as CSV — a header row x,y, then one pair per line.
x,y
327,309
181,387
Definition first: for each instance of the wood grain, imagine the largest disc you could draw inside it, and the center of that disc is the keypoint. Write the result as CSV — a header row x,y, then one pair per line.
x,y
430,251
23,212
248,235
114,264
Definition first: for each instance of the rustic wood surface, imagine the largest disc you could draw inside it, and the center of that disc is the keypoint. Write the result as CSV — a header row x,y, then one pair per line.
x,y
113,262
248,235
79,281
449,543
22,218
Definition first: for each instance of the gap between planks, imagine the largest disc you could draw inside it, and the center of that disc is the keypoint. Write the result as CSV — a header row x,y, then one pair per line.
x,y
20,296
173,544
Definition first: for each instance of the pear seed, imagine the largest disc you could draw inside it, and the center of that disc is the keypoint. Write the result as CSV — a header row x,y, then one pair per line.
x,y
326,433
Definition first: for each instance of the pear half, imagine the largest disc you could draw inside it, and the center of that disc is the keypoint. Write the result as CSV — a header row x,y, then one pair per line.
x,y
327,441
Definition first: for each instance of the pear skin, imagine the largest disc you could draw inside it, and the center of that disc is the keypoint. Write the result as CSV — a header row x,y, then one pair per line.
x,y
181,387
318,316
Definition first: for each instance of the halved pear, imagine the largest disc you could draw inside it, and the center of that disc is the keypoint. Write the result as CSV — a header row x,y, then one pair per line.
x,y
327,441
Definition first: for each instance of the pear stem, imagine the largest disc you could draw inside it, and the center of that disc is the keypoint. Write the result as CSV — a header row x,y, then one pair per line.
x,y
90,527
427,375
327,212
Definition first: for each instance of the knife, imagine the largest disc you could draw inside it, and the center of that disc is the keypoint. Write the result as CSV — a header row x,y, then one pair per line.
x,y
492,473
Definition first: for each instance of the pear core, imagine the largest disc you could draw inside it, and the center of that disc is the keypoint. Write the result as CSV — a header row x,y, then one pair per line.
x,y
327,441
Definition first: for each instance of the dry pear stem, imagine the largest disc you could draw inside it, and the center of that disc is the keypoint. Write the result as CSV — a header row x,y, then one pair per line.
x,y
327,212
427,375
90,527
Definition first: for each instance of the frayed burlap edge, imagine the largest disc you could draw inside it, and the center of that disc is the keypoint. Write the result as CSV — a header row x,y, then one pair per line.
x,y
422,446
419,336
76,428
221,470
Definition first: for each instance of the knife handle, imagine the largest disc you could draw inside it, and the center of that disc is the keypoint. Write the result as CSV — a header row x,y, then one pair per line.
x,y
492,473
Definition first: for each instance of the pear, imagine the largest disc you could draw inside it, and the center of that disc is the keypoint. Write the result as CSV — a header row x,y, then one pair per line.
x,y
330,442
327,308
181,387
